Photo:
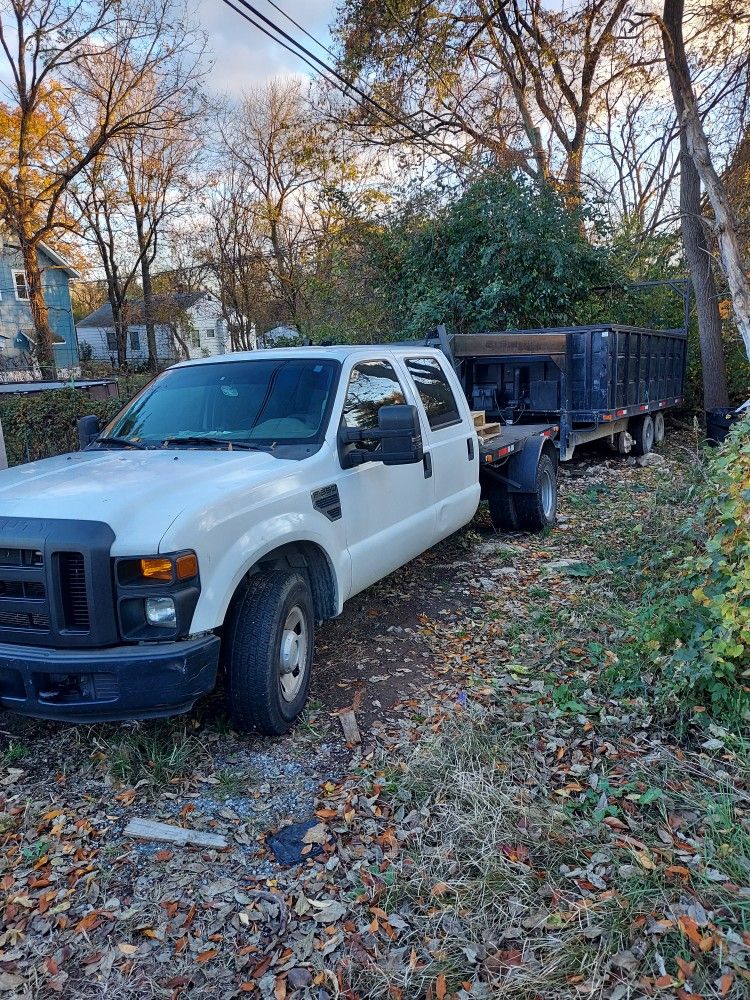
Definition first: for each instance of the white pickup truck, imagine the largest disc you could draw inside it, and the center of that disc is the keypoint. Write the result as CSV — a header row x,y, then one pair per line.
x,y
234,503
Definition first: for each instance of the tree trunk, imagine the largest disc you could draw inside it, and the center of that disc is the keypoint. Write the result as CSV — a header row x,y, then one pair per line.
x,y
698,151
148,312
120,321
148,287
713,363
45,353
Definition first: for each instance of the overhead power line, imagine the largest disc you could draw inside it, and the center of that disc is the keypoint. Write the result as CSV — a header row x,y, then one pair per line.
x,y
323,69
301,28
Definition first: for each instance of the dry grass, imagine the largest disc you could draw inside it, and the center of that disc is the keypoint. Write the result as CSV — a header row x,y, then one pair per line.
x,y
490,884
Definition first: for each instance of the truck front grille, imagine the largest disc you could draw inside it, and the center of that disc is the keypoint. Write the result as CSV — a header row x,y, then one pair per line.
x,y
75,597
21,620
56,583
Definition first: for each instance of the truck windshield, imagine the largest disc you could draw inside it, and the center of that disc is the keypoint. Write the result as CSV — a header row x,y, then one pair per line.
x,y
266,402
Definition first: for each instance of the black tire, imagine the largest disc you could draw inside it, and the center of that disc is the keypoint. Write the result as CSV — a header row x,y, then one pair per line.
x,y
643,435
502,508
660,431
538,510
255,638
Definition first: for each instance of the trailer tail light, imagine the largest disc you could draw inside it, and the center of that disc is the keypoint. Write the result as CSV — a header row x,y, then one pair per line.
x,y
606,416
643,407
621,413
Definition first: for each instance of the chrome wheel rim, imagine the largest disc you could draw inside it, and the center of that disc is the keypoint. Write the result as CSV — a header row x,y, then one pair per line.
x,y
293,654
548,495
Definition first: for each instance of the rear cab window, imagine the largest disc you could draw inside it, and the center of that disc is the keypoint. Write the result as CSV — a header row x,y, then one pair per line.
x,y
434,391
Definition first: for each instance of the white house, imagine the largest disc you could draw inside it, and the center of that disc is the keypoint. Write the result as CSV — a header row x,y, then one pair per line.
x,y
185,320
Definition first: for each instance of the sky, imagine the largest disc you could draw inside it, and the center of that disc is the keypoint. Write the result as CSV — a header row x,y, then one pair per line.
x,y
243,56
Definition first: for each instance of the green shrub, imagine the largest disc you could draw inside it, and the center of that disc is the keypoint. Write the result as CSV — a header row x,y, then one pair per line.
x,y
697,630
44,424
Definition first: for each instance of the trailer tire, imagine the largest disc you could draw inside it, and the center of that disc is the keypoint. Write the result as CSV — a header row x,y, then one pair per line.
x,y
660,431
269,652
643,435
502,504
538,510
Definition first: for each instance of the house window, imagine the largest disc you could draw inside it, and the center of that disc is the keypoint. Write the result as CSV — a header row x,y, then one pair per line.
x,y
195,338
22,287
135,340
111,341
211,332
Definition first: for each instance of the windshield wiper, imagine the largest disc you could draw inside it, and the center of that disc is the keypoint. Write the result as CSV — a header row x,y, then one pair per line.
x,y
198,439
119,442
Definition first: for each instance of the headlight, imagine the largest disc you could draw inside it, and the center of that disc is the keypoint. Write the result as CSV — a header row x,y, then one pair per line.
x,y
161,611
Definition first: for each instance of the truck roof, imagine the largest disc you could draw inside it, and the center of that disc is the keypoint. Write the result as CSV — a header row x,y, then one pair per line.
x,y
338,353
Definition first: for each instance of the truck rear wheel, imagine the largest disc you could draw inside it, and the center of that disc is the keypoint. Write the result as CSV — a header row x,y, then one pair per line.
x,y
643,435
269,652
538,510
502,508
659,429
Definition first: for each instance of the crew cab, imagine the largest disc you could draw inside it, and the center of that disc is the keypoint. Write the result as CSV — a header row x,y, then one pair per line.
x,y
231,505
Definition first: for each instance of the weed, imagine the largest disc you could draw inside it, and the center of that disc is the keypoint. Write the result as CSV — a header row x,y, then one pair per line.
x,y
155,752
13,752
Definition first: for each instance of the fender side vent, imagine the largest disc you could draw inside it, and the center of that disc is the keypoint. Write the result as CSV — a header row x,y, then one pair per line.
x,y
327,501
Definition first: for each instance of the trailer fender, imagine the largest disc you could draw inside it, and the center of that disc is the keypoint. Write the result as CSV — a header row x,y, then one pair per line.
x,y
522,466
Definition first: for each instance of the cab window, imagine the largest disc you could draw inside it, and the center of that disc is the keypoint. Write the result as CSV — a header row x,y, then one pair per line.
x,y
372,384
435,392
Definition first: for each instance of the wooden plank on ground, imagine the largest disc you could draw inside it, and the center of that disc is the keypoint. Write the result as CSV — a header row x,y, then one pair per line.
x,y
350,727
149,829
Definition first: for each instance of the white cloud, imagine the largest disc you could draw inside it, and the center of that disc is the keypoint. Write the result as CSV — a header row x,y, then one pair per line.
x,y
243,55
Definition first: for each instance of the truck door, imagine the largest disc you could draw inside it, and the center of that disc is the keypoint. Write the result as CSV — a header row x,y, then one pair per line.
x,y
453,447
388,510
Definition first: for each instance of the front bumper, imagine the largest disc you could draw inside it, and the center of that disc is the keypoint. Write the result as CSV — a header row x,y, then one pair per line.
x,y
104,685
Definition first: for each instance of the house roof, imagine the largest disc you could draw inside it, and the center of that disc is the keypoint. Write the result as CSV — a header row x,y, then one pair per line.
x,y
57,259
60,261
164,304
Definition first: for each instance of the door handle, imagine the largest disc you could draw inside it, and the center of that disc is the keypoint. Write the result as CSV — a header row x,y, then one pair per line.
x,y
470,448
427,463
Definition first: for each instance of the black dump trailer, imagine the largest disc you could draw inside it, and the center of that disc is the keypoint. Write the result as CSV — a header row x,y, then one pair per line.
x,y
593,381
538,394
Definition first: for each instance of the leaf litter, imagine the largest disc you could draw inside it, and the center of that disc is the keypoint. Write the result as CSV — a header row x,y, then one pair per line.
x,y
513,824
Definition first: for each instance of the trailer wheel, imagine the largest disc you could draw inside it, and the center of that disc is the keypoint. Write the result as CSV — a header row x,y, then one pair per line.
x,y
502,504
269,652
643,434
538,510
660,431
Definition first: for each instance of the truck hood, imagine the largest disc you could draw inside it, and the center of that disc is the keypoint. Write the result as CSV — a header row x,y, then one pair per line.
x,y
137,493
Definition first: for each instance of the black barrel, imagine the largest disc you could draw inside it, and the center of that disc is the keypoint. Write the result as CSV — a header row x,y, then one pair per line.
x,y
719,423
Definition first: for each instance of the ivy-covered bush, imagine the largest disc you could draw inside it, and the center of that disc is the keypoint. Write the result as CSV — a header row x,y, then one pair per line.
x,y
501,254
698,628
44,424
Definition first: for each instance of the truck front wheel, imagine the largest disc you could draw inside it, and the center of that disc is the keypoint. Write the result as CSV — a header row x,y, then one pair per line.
x,y
538,510
269,652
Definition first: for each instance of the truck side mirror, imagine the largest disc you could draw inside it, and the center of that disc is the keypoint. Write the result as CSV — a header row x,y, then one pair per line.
x,y
89,429
398,433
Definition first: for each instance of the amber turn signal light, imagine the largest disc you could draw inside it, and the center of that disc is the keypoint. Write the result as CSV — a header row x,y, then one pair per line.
x,y
157,569
186,566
